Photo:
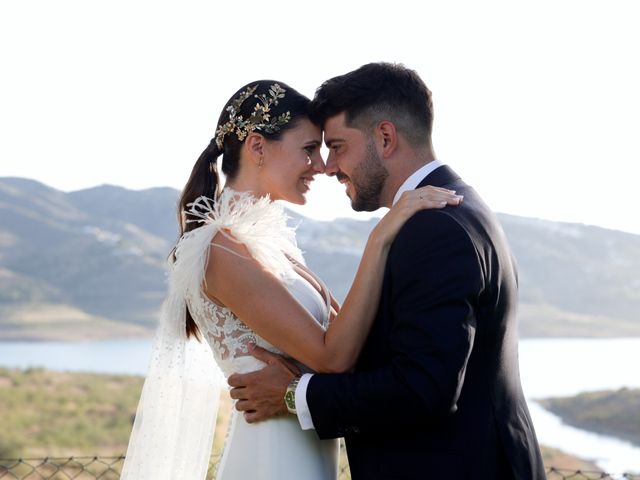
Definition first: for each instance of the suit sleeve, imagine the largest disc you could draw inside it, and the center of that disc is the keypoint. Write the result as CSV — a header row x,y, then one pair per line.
x,y
435,279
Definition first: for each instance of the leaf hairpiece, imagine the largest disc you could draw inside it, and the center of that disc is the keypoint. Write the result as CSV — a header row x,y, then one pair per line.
x,y
260,119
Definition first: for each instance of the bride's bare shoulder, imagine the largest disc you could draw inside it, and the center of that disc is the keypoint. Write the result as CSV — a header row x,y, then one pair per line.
x,y
227,258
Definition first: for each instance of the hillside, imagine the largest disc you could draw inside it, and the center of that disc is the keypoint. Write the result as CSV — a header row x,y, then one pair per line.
x,y
614,413
90,264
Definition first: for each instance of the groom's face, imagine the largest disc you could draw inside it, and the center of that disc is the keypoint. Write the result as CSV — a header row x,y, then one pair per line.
x,y
354,161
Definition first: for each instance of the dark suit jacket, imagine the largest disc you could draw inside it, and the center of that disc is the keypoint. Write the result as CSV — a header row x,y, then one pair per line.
x,y
436,392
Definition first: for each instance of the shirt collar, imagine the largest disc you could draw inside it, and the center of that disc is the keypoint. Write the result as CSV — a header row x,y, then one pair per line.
x,y
416,177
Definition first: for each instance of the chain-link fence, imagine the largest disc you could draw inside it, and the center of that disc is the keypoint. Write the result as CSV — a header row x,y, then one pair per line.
x,y
108,468
554,473
86,468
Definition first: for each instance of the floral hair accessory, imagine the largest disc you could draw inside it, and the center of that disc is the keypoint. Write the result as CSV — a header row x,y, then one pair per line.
x,y
260,118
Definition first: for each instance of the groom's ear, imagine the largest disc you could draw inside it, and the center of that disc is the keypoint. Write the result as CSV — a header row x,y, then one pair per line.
x,y
386,138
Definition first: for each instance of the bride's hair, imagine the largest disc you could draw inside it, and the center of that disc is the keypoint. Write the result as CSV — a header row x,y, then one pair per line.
x,y
228,139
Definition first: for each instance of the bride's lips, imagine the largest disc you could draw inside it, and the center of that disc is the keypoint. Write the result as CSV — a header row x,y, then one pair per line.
x,y
306,182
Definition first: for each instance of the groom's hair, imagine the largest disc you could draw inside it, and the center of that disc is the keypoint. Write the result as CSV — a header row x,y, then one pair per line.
x,y
376,92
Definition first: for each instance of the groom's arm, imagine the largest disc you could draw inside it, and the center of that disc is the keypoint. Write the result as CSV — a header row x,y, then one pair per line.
x,y
436,279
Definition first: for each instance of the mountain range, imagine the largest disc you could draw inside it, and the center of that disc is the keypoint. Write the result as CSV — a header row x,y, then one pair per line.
x,y
91,264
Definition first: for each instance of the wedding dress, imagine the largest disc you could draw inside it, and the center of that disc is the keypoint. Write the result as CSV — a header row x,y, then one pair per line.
x,y
173,431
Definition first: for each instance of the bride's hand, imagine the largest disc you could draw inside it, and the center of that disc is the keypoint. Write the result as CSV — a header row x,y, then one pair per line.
x,y
409,203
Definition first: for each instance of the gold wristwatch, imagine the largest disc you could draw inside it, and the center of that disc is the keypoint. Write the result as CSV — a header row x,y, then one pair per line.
x,y
290,395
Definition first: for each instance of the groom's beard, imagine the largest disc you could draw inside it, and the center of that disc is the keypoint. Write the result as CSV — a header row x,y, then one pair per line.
x,y
368,179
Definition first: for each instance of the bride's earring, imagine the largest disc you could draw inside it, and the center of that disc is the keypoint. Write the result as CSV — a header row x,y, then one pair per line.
x,y
260,161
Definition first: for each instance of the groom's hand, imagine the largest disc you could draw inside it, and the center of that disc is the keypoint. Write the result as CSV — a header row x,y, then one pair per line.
x,y
260,394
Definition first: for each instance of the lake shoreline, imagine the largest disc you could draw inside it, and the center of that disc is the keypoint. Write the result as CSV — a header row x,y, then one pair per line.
x,y
613,413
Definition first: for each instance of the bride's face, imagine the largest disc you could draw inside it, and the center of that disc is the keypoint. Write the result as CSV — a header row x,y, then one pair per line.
x,y
291,162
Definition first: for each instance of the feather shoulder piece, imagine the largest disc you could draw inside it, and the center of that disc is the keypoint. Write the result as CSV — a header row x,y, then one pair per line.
x,y
258,223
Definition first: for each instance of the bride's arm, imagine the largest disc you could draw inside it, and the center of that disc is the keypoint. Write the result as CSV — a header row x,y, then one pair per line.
x,y
335,308
260,300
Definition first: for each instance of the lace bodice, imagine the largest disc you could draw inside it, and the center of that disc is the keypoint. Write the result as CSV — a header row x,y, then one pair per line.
x,y
261,226
229,337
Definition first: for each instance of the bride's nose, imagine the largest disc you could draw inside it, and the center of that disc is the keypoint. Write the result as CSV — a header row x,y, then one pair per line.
x,y
317,164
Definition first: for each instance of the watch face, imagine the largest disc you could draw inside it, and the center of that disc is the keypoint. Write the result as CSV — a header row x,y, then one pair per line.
x,y
290,398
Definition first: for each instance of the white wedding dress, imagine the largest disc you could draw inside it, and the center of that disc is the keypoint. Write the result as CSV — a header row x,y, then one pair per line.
x,y
177,444
275,449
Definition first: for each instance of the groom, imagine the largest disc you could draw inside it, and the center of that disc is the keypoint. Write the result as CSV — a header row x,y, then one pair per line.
x,y
436,391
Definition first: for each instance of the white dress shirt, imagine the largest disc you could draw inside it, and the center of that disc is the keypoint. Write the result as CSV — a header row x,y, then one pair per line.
x,y
302,408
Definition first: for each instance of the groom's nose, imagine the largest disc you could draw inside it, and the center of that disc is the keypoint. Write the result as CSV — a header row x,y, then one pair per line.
x,y
332,167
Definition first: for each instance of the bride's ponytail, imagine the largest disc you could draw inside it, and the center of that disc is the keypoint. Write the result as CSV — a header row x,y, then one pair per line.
x,y
203,181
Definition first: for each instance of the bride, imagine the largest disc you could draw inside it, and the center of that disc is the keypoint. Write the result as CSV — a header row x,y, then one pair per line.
x,y
237,279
